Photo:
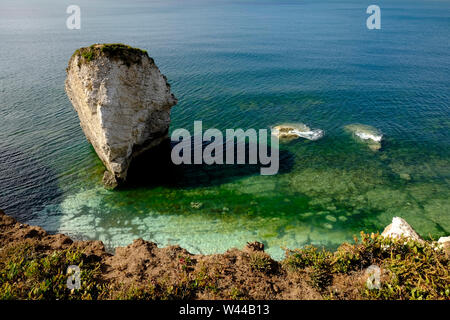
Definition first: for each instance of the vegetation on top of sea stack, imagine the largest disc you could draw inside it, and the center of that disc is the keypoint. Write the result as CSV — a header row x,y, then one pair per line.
x,y
127,54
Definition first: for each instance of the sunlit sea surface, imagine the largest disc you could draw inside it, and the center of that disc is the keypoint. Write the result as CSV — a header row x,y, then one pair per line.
x,y
238,64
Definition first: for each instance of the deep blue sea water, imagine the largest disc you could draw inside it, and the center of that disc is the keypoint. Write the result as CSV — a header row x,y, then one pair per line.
x,y
238,64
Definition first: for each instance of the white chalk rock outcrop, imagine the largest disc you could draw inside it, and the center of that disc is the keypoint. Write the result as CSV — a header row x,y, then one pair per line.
x,y
444,242
398,228
123,103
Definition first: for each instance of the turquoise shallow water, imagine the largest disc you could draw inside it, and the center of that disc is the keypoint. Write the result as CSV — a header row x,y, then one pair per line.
x,y
247,64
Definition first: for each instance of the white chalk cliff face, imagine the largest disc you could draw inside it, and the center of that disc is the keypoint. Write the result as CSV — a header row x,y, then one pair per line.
x,y
123,103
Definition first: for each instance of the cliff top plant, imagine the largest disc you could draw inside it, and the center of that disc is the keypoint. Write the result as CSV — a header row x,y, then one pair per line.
x,y
26,273
412,270
125,53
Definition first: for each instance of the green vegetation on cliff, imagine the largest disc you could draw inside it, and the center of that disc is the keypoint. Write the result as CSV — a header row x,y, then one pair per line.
x,y
125,53
27,273
409,270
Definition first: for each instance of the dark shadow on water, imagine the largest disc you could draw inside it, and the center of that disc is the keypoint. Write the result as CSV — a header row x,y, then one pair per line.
x,y
155,168
26,184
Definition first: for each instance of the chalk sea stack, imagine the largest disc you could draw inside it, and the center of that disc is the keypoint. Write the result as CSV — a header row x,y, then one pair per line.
x,y
123,102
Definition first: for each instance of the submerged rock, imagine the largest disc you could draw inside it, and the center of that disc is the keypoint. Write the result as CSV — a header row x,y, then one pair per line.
x,y
400,228
123,102
295,131
367,134
405,176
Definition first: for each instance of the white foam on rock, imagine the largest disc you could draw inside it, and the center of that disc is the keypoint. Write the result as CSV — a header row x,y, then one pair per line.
x,y
369,136
300,130
310,135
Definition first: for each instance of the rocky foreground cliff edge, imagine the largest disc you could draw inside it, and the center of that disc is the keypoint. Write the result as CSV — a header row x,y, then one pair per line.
x,y
33,265
123,103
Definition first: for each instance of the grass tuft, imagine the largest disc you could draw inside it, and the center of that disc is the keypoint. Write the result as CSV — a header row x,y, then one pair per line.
x,y
117,51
